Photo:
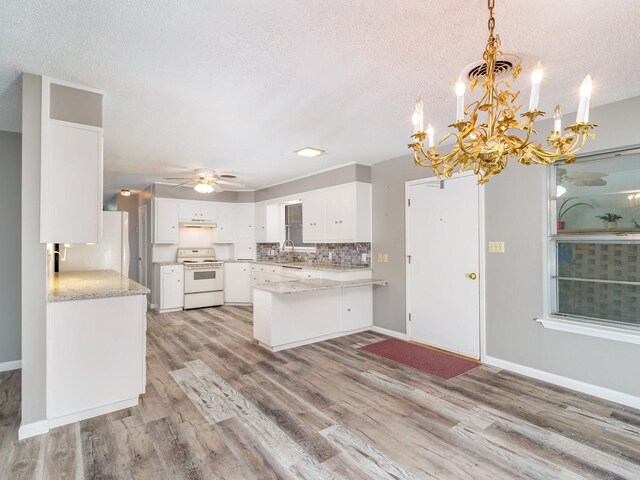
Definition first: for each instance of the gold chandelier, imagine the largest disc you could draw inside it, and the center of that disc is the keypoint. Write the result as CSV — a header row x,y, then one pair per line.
x,y
486,147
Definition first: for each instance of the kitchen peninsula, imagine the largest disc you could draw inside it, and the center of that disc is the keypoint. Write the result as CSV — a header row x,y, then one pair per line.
x,y
301,311
96,338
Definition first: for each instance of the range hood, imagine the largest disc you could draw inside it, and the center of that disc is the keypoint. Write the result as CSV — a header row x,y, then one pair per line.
x,y
197,224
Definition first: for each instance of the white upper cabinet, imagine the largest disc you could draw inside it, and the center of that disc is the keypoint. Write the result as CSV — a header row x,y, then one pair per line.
x,y
245,220
268,226
71,163
165,218
197,212
337,214
314,225
226,223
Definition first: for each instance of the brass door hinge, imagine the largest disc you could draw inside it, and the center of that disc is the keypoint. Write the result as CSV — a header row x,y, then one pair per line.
x,y
408,202
409,317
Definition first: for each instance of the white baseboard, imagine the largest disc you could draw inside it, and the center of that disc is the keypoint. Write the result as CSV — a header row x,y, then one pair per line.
x,y
13,365
33,429
93,412
390,333
309,341
583,387
43,426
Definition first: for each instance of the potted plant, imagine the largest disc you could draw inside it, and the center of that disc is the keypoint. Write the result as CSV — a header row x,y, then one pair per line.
x,y
611,219
564,208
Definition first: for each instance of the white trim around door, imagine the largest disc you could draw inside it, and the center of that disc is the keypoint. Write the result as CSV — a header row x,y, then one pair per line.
x,y
481,258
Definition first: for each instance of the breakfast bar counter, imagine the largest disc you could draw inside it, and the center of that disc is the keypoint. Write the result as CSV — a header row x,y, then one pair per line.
x,y
299,312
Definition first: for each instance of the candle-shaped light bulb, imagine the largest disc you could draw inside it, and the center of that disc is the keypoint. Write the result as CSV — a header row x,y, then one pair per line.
x,y
459,99
418,116
536,78
585,96
430,135
557,120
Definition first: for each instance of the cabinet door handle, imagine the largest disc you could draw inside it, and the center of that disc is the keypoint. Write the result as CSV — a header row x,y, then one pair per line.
x,y
340,221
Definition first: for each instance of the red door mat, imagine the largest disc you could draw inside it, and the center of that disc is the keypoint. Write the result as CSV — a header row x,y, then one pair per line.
x,y
428,360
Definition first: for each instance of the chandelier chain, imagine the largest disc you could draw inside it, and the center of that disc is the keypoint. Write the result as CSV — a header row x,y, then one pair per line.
x,y
492,20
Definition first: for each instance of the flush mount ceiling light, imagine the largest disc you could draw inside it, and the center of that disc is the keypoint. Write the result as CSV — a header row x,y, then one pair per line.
x,y
492,134
310,152
125,192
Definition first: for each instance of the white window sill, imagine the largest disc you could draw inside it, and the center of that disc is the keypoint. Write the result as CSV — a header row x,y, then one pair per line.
x,y
620,334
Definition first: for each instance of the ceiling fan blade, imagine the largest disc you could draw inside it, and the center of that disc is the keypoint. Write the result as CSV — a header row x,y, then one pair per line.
x,y
182,184
216,188
178,178
233,184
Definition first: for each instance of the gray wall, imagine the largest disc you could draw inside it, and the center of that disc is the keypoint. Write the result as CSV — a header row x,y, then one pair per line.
x,y
130,205
514,205
388,228
74,105
337,176
34,260
10,217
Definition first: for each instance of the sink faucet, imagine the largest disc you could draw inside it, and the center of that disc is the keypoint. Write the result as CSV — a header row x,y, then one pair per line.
x,y
286,242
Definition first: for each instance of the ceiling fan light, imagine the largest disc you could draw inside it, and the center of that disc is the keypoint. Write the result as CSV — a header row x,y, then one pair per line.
x,y
203,188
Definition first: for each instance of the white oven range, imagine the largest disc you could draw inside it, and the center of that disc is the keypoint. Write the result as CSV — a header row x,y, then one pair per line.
x,y
203,277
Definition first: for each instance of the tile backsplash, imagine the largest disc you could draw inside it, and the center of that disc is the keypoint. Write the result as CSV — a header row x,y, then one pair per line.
x,y
340,253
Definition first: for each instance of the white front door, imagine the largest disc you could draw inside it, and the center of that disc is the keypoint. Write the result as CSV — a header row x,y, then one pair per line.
x,y
443,248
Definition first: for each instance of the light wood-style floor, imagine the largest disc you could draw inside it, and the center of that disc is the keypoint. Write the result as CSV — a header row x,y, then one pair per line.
x,y
219,406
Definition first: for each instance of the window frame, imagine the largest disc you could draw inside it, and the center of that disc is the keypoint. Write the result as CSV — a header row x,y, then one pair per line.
x,y
595,327
283,234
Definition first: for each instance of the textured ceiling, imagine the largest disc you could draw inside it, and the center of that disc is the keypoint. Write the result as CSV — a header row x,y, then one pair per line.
x,y
239,85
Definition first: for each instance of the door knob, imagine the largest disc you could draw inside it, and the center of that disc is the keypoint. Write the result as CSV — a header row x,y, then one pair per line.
x,y
472,276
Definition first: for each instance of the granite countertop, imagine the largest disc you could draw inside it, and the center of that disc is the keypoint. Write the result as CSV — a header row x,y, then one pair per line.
x,y
167,262
326,267
67,286
314,285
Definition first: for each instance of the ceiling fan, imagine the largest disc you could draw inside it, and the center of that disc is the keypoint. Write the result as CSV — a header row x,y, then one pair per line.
x,y
206,180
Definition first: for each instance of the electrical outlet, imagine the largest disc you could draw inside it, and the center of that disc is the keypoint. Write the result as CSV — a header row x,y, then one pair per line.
x,y
364,257
385,258
496,247
330,255
380,258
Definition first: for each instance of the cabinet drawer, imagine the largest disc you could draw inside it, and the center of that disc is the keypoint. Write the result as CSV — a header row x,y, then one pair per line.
x,y
171,269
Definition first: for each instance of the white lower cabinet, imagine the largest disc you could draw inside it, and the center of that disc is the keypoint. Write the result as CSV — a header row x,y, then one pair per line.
x,y
237,283
357,308
169,283
95,357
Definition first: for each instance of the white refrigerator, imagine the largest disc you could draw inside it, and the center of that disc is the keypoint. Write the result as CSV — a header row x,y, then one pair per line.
x,y
112,253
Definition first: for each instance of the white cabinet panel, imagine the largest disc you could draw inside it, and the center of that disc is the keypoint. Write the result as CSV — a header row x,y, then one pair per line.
x,y
226,221
166,220
172,290
189,210
314,225
197,211
341,214
245,249
208,211
237,283
71,184
245,220
268,224
357,308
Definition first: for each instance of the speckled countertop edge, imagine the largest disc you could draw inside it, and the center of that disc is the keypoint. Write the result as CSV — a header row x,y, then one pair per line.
x,y
87,285
315,285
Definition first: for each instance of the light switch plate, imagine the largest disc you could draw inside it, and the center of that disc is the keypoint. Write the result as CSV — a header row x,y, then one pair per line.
x,y
364,257
379,258
496,247
385,258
